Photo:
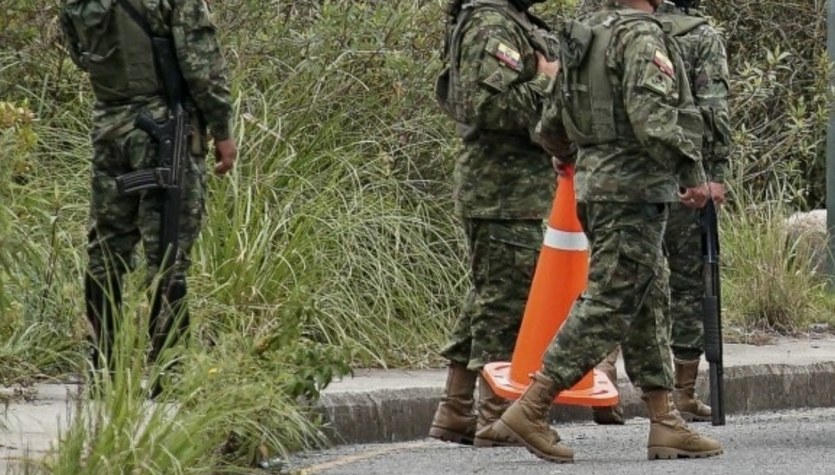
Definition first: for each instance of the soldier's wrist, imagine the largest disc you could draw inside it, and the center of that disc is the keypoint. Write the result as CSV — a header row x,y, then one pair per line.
x,y
220,130
694,176
717,171
541,83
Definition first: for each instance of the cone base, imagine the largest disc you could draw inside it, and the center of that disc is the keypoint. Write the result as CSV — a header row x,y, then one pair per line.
x,y
603,393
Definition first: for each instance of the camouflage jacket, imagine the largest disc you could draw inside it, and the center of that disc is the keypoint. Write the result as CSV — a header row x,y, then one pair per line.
x,y
703,51
500,173
652,150
190,25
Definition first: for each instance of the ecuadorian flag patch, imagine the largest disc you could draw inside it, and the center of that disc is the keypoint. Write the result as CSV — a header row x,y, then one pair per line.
x,y
664,64
509,57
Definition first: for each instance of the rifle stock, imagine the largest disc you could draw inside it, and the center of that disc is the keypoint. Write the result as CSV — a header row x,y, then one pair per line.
x,y
712,312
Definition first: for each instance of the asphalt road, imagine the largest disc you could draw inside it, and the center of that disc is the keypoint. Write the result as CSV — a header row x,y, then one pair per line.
x,y
797,442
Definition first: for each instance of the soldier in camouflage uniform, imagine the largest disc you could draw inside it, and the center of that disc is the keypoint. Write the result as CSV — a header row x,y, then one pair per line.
x,y
703,51
110,45
623,98
493,87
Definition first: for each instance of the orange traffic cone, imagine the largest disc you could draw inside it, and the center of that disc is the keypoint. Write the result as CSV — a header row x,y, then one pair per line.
x,y
560,276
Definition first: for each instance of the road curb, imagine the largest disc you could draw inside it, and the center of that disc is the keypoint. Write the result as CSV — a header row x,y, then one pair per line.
x,y
402,414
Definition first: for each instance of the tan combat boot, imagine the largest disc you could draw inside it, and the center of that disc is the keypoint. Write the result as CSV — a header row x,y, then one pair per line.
x,y
669,436
611,415
527,421
491,406
684,396
454,420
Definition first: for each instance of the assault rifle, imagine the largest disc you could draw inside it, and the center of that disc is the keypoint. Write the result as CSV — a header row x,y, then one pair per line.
x,y
712,311
171,136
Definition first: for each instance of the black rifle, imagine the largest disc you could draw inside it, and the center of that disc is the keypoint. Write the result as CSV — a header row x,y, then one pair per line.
x,y
171,136
712,310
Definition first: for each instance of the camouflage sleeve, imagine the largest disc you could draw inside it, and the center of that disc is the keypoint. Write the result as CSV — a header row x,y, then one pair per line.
x,y
202,63
650,89
501,88
710,90
551,135
70,40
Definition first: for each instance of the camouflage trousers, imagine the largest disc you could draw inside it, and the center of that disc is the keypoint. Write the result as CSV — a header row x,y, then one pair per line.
x,y
687,287
682,241
503,255
626,300
117,223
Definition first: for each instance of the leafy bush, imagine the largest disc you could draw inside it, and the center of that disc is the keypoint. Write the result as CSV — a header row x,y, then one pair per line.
x,y
781,92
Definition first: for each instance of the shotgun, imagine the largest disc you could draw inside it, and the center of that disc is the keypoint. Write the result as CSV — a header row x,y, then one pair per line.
x,y
712,312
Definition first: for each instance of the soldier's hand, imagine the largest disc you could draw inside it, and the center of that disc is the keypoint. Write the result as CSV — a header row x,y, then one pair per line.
x,y
548,68
717,192
559,166
695,197
225,154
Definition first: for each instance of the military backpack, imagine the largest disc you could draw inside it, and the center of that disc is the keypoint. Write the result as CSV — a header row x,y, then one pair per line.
x,y
590,113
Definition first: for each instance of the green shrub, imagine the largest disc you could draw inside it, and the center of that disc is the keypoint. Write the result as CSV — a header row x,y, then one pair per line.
x,y
769,278
332,244
226,408
781,90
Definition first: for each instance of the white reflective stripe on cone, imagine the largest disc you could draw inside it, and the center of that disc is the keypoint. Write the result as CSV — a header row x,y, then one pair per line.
x,y
565,241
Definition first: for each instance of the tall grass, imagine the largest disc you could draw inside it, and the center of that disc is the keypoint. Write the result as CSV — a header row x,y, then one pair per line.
x,y
221,412
339,204
331,245
329,210
770,279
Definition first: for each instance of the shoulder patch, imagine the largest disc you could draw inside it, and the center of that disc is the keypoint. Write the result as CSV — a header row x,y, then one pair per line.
x,y
508,56
664,64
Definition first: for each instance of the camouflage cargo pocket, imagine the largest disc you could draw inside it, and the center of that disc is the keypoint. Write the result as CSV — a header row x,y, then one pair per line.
x,y
513,247
628,259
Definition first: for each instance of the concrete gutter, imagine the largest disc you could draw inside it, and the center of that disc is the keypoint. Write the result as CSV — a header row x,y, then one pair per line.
x,y
397,405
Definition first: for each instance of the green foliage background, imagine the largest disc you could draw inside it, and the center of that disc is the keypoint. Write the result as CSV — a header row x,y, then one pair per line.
x,y
338,212
334,243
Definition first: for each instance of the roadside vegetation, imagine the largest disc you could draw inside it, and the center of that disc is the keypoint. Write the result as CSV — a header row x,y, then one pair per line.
x,y
333,245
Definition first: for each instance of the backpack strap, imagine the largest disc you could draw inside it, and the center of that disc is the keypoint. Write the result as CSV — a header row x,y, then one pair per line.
x,y
590,116
137,17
